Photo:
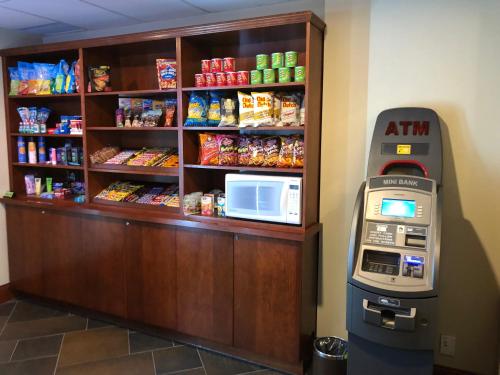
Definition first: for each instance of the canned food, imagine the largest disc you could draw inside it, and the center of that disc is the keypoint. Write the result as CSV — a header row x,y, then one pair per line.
x,y
216,65
229,64
262,61
206,66
300,74
231,78
291,59
284,75
256,77
242,77
277,60
269,76
220,79
199,80
210,79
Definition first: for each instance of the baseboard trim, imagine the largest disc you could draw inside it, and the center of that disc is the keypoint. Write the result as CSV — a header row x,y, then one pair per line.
x,y
5,293
441,370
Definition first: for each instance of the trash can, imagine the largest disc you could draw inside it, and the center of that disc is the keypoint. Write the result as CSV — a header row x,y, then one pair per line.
x,y
330,356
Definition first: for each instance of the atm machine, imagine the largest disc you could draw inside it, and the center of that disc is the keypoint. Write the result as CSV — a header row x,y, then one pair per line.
x,y
393,262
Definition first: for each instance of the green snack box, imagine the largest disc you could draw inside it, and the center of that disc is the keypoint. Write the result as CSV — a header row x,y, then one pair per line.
x,y
269,76
262,61
277,60
291,59
300,74
256,77
284,75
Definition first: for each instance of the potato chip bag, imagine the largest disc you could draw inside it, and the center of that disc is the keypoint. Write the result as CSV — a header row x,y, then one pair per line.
x,y
246,109
197,110
263,108
209,149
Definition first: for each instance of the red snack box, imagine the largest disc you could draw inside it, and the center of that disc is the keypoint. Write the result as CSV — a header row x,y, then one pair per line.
x,y
167,72
229,64
199,80
221,79
210,79
206,66
242,77
216,65
231,78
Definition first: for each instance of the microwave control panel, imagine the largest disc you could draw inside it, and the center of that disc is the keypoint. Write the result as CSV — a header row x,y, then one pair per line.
x,y
294,203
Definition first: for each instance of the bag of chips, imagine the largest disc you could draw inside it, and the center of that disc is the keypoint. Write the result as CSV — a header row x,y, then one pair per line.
x,y
285,158
14,81
271,151
244,150
302,111
228,112
100,78
277,109
43,78
23,69
197,110
170,106
228,149
246,109
214,116
263,108
256,151
298,153
209,149
290,110
70,82
77,75
59,75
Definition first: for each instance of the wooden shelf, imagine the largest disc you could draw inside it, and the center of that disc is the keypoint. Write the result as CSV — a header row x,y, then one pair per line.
x,y
299,129
243,168
44,96
138,170
41,165
136,129
132,92
47,135
271,86
138,206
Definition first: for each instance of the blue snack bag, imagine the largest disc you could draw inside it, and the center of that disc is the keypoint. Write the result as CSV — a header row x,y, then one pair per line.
x,y
70,84
214,109
59,74
14,81
197,110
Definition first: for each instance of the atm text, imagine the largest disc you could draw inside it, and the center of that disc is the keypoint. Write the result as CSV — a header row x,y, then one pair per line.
x,y
400,181
420,128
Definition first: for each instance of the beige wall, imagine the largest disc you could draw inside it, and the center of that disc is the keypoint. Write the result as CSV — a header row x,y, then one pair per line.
x,y
439,54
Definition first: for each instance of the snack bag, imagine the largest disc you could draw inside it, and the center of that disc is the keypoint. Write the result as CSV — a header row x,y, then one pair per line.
x,y
256,151
277,109
209,149
302,111
192,203
14,81
166,70
197,110
43,78
228,112
23,73
170,106
271,151
228,149
263,108
70,81
100,78
285,158
298,153
244,150
77,75
214,116
32,81
290,110
246,109
59,75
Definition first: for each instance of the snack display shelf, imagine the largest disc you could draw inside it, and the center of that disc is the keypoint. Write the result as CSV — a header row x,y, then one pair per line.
x,y
139,206
41,202
138,170
44,96
132,93
224,221
43,165
298,129
271,86
243,168
47,135
114,128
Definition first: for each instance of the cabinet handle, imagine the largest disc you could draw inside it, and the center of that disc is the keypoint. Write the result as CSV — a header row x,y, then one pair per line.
x,y
43,212
236,237
127,223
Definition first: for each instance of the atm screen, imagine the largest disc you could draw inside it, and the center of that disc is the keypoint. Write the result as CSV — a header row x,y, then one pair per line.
x,y
398,207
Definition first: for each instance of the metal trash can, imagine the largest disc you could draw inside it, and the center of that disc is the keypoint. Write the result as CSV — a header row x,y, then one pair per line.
x,y
330,356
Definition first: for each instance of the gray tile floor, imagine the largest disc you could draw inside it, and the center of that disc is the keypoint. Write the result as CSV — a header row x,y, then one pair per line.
x,y
36,340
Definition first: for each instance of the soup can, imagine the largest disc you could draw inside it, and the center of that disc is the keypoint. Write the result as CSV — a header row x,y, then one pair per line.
x,y
206,66
229,64
277,60
220,79
242,77
269,76
262,61
231,78
284,75
256,77
210,79
199,80
291,59
216,65
300,74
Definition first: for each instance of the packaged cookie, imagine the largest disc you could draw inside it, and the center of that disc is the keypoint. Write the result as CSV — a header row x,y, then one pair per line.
x,y
298,153
271,151
290,110
228,149
285,158
256,151
214,116
246,109
228,112
197,110
209,149
244,155
263,108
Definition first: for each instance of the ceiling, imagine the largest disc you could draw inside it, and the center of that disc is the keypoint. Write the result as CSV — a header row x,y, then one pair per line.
x,y
50,17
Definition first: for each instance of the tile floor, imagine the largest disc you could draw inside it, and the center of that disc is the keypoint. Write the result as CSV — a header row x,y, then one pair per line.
x,y
36,340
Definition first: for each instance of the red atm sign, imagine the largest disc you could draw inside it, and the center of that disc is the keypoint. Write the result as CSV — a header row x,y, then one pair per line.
x,y
406,127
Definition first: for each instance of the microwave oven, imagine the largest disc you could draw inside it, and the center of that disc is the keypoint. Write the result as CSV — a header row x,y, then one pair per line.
x,y
267,198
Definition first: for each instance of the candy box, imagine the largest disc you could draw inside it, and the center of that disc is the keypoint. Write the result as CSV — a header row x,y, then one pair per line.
x,y
166,69
207,205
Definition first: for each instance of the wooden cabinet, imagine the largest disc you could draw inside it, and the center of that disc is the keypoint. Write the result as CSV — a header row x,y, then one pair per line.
x,y
267,296
205,284
151,274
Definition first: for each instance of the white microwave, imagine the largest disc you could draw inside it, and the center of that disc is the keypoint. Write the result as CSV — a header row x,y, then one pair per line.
x,y
267,198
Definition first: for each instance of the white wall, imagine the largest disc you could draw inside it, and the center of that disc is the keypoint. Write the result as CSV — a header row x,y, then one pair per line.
x,y
439,54
8,39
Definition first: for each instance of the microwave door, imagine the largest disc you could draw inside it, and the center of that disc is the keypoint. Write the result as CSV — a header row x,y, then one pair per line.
x,y
271,200
242,200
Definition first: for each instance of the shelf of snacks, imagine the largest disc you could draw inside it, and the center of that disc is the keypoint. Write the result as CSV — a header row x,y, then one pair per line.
x,y
297,129
260,86
131,93
45,165
47,135
246,168
40,96
151,171
128,129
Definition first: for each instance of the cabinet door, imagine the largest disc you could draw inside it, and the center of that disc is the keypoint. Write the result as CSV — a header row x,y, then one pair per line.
x,y
151,275
267,294
104,242
25,237
63,276
205,284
